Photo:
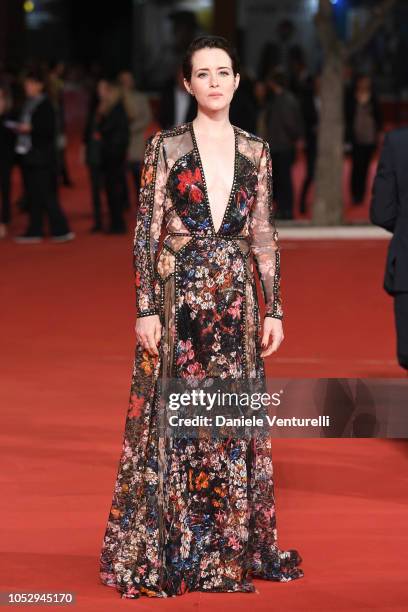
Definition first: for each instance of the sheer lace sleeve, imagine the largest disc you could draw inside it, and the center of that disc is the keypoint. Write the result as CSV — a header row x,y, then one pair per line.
x,y
264,238
148,224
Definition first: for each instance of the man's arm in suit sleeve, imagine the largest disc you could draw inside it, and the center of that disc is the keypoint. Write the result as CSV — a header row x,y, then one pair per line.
x,y
384,201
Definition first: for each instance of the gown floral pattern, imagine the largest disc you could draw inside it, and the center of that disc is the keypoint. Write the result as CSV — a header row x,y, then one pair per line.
x,y
194,514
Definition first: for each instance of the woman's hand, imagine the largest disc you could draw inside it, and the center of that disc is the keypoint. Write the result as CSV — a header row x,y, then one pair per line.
x,y
272,335
148,333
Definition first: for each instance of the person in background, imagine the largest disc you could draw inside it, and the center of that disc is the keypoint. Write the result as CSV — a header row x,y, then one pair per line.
x,y
91,155
299,76
112,128
176,106
284,128
244,105
15,84
56,89
310,107
389,209
269,58
363,124
139,114
7,156
35,145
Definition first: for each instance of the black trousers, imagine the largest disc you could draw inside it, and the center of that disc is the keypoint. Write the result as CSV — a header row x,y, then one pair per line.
x,y
6,167
401,324
282,183
113,171
63,168
124,192
135,168
96,180
361,158
311,156
41,184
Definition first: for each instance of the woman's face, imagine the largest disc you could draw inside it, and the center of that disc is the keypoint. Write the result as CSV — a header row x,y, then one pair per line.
x,y
364,85
212,79
103,89
126,80
32,87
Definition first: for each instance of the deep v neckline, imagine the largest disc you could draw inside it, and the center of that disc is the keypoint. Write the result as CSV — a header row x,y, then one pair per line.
x,y
234,180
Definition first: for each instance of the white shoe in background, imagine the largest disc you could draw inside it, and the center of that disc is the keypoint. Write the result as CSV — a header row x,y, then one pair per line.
x,y
63,237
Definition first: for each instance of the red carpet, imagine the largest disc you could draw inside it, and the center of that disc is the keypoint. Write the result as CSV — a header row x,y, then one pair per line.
x,y
67,351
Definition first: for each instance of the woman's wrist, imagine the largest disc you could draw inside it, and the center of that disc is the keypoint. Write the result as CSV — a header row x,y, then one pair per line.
x,y
147,313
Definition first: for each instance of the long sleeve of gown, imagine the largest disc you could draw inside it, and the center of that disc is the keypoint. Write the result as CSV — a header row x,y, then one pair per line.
x,y
264,238
148,225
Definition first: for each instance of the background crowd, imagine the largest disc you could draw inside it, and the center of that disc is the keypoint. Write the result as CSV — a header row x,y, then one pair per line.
x,y
281,103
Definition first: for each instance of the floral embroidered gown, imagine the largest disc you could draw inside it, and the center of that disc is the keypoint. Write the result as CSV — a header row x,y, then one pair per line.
x,y
195,514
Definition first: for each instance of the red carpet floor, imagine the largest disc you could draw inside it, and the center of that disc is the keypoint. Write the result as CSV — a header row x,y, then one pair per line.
x,y
67,351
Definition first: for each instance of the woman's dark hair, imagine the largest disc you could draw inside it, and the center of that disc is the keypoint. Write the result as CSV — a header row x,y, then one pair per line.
x,y
208,42
38,75
361,76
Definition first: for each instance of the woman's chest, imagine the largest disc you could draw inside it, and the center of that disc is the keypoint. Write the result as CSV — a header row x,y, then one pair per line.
x,y
208,192
218,164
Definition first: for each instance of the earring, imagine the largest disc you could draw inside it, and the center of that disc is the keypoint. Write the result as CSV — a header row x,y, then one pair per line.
x,y
192,93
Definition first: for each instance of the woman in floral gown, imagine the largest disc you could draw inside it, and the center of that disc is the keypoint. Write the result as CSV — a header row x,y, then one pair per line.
x,y
192,514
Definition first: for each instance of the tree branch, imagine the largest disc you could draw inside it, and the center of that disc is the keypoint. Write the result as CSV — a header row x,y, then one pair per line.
x,y
360,39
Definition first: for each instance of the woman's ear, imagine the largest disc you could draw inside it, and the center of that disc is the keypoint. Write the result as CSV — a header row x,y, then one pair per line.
x,y
187,86
237,79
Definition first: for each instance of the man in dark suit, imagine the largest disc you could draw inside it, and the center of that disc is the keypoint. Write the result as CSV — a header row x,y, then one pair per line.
x,y
36,147
389,209
176,104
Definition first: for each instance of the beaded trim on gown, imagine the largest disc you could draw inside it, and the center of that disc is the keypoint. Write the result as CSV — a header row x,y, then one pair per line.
x,y
195,514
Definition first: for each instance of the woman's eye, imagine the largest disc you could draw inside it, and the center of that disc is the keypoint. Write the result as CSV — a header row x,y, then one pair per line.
x,y
224,72
201,74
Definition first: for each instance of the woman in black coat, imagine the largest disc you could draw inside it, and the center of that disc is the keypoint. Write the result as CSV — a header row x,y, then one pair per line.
x,y
363,124
107,138
93,159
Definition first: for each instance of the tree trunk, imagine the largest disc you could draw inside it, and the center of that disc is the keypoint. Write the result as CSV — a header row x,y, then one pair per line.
x,y
328,206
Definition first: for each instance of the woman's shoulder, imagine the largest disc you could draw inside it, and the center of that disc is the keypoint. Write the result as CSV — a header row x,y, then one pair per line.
x,y
251,144
44,104
251,138
163,134
248,135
